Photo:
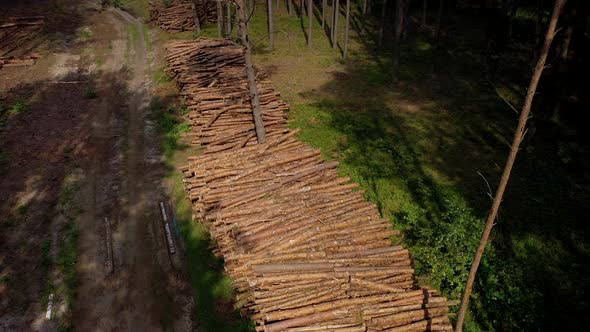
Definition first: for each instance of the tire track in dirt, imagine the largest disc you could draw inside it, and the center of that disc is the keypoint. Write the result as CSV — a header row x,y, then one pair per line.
x,y
145,292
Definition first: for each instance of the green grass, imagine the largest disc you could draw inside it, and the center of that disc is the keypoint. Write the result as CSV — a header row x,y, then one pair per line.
x,y
85,33
90,93
161,77
146,36
134,34
171,128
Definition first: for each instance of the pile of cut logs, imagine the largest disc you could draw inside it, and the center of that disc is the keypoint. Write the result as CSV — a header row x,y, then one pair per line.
x,y
180,15
214,84
15,35
304,249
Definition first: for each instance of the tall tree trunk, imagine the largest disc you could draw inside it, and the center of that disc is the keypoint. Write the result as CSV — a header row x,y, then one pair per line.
x,y
399,23
289,7
271,29
228,19
347,27
219,19
254,98
324,5
382,24
309,14
365,7
424,11
518,137
335,23
438,24
197,23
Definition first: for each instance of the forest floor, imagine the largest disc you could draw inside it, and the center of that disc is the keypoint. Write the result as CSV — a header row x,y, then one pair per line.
x,y
80,144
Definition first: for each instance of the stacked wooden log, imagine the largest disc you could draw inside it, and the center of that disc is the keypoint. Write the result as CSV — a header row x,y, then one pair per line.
x,y
180,15
298,241
212,80
303,248
177,17
16,35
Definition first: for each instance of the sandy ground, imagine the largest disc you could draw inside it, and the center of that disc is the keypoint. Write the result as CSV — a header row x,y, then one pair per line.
x,y
112,151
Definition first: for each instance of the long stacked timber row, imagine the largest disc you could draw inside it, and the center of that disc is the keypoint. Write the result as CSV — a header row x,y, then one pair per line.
x,y
180,14
18,36
304,249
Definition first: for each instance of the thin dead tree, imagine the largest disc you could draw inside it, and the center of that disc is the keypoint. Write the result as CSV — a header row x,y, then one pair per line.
x,y
382,24
397,34
438,23
195,7
519,135
271,32
309,14
219,19
346,28
335,23
227,19
254,98
324,5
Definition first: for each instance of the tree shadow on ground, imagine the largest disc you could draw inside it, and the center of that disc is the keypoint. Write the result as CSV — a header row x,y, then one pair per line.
x,y
424,147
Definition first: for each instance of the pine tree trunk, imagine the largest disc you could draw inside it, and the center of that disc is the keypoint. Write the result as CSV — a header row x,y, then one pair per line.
x,y
228,19
399,23
382,24
324,5
438,24
219,19
309,14
335,23
518,137
254,98
271,32
347,27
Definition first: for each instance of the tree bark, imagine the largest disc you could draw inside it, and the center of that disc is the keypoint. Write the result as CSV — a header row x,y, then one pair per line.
x,y
518,137
335,23
309,14
399,23
365,7
197,23
382,25
324,5
228,19
289,7
254,98
438,24
219,19
271,33
347,27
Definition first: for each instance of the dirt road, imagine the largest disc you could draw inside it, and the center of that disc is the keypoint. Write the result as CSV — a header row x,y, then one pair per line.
x,y
79,146
145,291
